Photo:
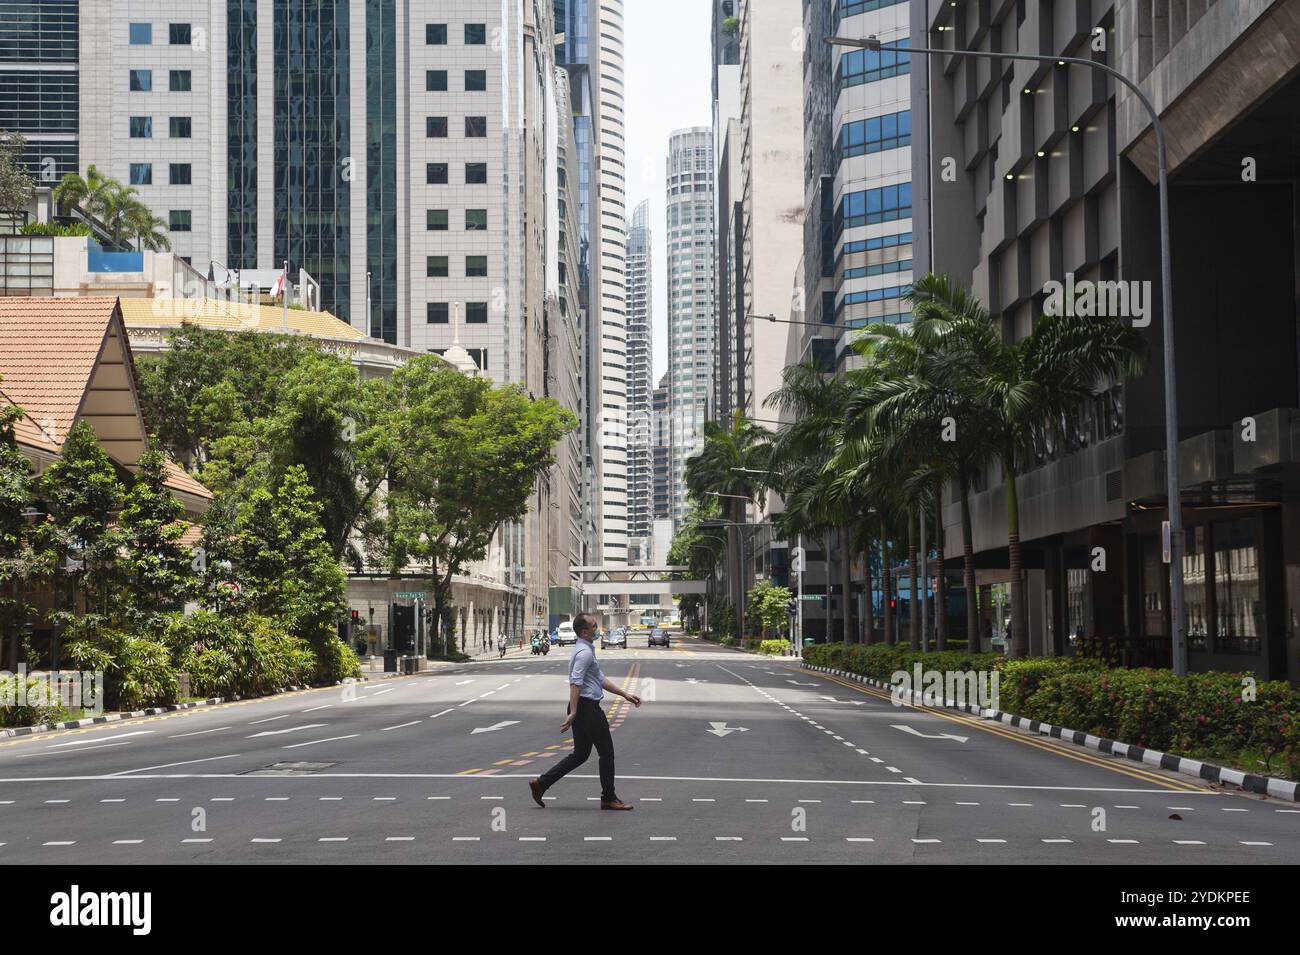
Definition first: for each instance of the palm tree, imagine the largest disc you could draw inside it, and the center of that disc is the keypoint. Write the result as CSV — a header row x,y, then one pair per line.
x,y
116,207
732,465
87,194
1029,390
801,452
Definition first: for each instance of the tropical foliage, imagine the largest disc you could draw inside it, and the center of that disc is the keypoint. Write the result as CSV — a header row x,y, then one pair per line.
x,y
118,209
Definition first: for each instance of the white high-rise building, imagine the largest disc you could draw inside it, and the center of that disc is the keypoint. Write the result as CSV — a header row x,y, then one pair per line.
x,y
640,312
608,262
691,323
771,161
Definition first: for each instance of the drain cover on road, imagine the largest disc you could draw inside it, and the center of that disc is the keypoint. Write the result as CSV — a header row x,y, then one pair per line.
x,y
289,769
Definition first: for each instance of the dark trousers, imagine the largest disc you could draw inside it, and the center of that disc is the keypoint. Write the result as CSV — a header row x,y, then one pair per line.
x,y
590,728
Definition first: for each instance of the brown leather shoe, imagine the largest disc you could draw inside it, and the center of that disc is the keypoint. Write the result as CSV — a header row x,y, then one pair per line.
x,y
616,804
536,786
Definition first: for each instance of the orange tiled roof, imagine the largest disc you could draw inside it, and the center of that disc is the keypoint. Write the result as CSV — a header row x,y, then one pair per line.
x,y
45,373
178,479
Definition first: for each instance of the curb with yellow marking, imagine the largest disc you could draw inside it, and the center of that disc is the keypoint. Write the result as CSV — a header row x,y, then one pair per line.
x,y
997,729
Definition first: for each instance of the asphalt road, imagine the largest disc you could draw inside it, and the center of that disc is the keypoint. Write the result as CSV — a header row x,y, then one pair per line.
x,y
732,758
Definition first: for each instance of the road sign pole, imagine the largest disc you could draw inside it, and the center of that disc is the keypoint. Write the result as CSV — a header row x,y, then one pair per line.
x,y
799,646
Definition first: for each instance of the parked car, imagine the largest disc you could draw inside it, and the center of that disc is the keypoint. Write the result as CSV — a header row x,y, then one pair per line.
x,y
565,635
615,638
658,638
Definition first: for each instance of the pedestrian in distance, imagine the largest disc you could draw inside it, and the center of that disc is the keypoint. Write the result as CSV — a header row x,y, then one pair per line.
x,y
587,687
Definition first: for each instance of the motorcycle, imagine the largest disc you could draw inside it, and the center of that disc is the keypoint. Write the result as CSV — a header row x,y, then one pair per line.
x,y
540,645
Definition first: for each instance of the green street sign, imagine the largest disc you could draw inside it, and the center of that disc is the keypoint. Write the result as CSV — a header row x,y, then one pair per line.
x,y
409,595
813,597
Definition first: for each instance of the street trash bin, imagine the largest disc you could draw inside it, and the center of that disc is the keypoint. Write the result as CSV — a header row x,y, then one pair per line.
x,y
390,660
808,641
410,665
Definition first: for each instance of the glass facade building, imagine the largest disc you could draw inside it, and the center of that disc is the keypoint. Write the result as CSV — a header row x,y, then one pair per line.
x,y
312,145
39,83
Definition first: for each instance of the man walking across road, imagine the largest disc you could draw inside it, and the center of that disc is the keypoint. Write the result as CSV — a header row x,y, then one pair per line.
x,y
587,686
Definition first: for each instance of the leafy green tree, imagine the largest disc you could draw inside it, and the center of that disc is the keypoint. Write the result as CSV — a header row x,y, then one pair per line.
x,y
84,494
471,459
156,567
16,186
16,557
768,605
116,207
211,384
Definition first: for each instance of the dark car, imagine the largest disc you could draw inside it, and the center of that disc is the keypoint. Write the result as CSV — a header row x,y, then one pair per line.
x,y
659,638
615,638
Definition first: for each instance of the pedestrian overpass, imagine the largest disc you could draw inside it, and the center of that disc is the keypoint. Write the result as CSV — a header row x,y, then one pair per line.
x,y
619,579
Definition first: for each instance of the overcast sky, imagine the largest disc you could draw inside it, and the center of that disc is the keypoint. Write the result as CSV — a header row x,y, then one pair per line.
x,y
668,88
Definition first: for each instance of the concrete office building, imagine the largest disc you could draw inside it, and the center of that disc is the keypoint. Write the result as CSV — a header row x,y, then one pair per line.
x,y
727,206
640,340
1056,176
689,198
771,163
661,450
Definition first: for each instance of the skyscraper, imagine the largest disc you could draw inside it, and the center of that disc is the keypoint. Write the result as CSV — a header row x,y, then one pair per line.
x,y
640,311
688,190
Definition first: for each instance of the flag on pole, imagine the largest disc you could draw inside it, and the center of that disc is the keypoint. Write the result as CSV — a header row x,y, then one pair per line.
x,y
278,288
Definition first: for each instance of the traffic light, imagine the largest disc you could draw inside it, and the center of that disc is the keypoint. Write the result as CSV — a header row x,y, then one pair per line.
x,y
792,607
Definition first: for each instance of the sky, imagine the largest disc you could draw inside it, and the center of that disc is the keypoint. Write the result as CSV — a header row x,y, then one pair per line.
x,y
669,79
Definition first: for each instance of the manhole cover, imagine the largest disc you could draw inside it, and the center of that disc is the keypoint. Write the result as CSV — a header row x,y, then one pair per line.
x,y
289,769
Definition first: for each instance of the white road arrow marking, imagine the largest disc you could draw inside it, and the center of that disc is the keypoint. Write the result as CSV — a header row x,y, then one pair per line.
x,y
494,727
291,729
797,683
722,729
831,699
693,680
914,732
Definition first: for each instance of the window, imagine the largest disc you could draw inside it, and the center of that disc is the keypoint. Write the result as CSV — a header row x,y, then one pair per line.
x,y
475,34
876,134
142,127
1238,610
479,356
437,313
178,81
141,81
179,220
179,174
475,127
476,267
435,34
435,81
437,220
475,173
435,173
476,220
475,81
178,34
435,127
178,127
476,313
141,34
867,66
142,174
875,205
851,8
435,267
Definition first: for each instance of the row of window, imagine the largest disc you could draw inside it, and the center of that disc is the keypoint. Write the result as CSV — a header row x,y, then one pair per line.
x,y
872,206
436,173
178,34
876,134
435,81
436,267
850,8
884,268
476,313
435,34
178,174
178,127
867,66
435,127
879,242
475,220
178,81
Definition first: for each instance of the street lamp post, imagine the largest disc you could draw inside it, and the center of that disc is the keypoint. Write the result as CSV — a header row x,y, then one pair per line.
x,y
1176,543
